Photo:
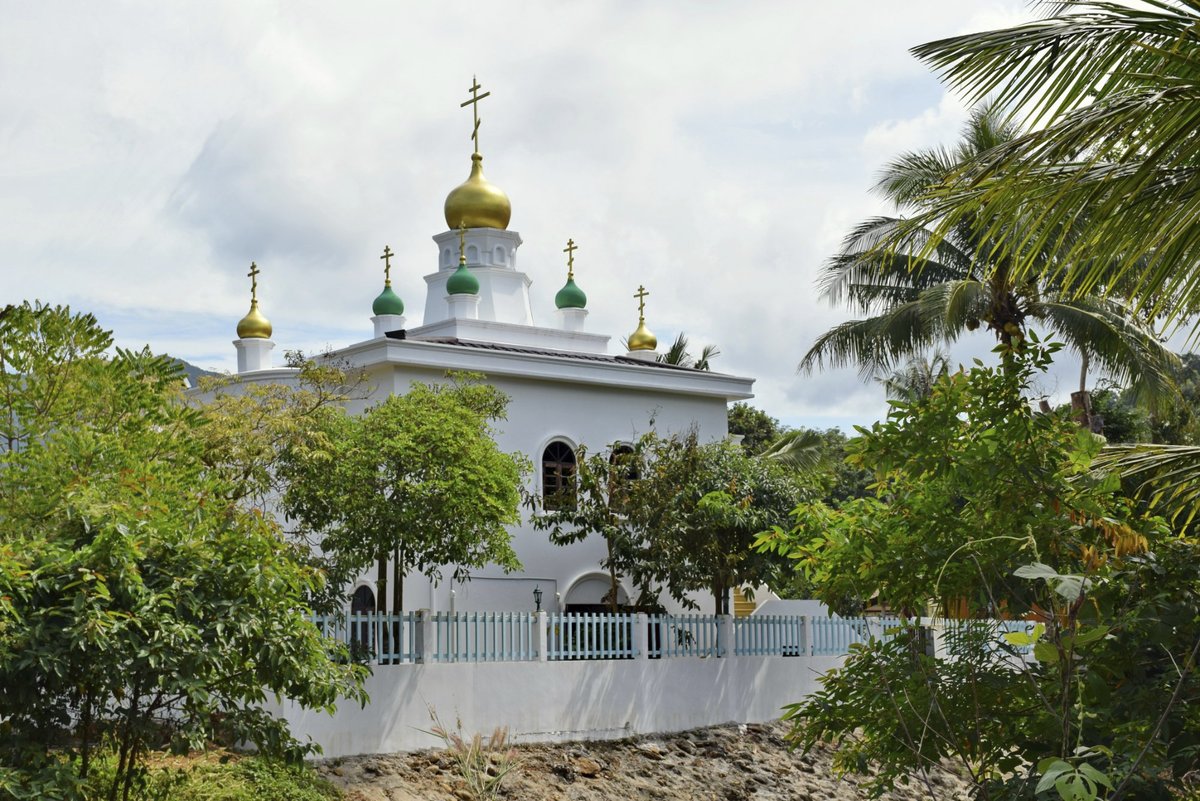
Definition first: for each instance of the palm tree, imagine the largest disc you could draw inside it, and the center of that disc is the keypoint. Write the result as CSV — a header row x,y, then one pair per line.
x,y
914,381
924,285
1113,96
1112,93
678,354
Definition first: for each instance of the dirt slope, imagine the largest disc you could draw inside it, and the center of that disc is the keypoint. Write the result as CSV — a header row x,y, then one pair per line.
x,y
730,763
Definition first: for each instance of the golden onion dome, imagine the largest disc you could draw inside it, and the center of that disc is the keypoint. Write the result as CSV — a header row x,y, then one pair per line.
x,y
642,338
254,325
475,203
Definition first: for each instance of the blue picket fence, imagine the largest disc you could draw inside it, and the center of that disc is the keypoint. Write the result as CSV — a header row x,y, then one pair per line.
x,y
770,635
590,636
382,639
445,637
484,637
684,635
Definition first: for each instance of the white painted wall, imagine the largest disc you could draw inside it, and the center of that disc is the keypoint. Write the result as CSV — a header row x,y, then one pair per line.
x,y
577,400
560,701
538,413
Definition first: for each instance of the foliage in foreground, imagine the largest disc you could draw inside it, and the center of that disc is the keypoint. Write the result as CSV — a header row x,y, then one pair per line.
x,y
992,510
246,778
1112,95
678,515
140,605
416,479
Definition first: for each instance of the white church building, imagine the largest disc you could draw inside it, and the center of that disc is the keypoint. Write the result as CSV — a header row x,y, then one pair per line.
x,y
567,387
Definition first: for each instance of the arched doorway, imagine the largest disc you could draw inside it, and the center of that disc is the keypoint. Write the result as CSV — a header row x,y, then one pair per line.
x,y
591,593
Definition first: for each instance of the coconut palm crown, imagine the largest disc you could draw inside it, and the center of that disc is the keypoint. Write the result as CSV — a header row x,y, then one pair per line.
x,y
920,289
1111,95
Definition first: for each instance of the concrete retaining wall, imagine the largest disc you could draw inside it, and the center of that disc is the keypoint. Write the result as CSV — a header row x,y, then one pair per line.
x,y
558,701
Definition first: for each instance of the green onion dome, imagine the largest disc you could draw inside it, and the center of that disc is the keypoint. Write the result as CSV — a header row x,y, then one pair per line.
x,y
462,282
570,296
388,302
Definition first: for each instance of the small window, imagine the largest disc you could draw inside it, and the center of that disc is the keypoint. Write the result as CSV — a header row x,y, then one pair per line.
x,y
558,476
472,254
500,255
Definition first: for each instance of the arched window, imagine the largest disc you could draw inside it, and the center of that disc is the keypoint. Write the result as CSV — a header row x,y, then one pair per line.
x,y
558,476
362,601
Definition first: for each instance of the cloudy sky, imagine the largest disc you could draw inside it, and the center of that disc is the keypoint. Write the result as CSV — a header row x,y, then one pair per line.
x,y
715,152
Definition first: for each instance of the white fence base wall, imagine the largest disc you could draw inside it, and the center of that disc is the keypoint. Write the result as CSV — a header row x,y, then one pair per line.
x,y
559,701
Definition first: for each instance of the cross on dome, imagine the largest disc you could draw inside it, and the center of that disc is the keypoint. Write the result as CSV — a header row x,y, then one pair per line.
x,y
570,251
474,104
387,265
253,276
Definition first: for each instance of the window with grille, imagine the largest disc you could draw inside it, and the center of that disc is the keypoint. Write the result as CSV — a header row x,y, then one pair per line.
x,y
558,476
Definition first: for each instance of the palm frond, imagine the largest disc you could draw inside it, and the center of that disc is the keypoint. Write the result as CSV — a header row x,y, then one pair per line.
x,y
709,353
1113,95
916,378
678,352
801,450
1116,340
879,257
1165,477
874,344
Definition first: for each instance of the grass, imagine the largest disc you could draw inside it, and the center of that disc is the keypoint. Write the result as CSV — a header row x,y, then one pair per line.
x,y
222,776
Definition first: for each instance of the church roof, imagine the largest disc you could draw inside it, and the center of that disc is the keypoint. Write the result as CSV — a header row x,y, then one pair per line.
x,y
590,357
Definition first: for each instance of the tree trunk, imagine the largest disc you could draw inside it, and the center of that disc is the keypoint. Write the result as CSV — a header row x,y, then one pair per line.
x,y
397,598
397,583
612,580
381,605
1081,408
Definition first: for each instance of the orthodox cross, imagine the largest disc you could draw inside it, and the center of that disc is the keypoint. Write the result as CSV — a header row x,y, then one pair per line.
x,y
462,241
253,275
641,296
474,104
387,265
570,251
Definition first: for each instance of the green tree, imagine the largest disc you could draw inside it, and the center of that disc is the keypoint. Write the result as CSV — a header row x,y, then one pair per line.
x,y
1178,422
925,284
757,428
141,605
606,487
417,479
253,425
679,517
1110,160
698,508
988,509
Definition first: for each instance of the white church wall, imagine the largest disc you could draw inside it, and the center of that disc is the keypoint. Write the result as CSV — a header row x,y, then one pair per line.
x,y
538,413
595,415
560,701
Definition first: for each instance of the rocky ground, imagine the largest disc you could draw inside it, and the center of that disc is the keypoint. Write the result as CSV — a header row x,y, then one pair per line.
x,y
729,763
